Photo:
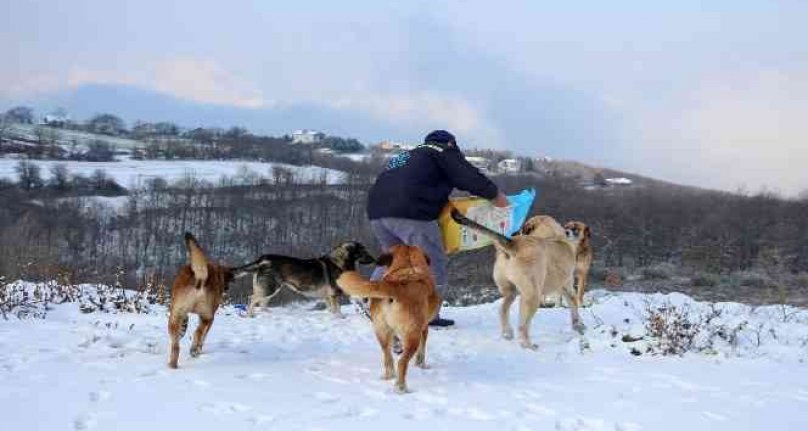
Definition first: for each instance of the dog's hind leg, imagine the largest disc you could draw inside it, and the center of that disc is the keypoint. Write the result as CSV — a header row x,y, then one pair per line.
x,y
200,334
508,292
575,316
385,337
411,346
420,356
583,279
260,298
528,305
177,325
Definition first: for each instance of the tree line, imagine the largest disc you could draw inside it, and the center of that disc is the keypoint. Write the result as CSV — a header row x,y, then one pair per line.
x,y
698,231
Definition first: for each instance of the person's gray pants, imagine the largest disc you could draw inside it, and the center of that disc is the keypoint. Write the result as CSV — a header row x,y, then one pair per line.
x,y
424,234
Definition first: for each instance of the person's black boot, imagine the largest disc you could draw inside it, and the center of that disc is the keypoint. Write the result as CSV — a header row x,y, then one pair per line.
x,y
441,322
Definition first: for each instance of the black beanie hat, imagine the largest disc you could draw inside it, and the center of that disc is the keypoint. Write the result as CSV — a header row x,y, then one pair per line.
x,y
440,136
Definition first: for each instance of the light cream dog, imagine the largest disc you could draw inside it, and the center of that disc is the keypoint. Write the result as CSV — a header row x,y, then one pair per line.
x,y
539,263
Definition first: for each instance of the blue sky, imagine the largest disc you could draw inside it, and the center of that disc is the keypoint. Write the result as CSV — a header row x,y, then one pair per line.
x,y
700,92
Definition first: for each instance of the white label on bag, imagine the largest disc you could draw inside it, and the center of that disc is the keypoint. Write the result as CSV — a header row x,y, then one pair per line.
x,y
494,218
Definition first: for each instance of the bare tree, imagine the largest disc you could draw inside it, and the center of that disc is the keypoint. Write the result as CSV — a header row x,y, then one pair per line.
x,y
60,177
29,176
21,114
106,124
5,126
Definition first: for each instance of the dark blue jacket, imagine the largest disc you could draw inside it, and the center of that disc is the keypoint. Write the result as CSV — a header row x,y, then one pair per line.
x,y
416,184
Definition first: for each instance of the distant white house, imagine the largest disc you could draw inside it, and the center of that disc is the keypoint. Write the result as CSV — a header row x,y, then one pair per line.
x,y
306,136
55,119
509,166
621,181
480,163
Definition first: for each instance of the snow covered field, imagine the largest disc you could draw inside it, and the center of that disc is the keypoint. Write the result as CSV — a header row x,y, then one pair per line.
x,y
295,369
129,173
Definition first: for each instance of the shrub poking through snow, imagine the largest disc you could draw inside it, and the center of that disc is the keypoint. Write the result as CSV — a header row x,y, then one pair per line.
x,y
678,329
663,271
35,300
614,278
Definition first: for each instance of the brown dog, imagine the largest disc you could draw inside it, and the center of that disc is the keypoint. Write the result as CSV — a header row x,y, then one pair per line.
x,y
583,257
198,288
401,304
536,264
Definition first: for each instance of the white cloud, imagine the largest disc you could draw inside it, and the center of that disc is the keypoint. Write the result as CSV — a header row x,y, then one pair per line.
x,y
743,130
204,81
425,110
196,80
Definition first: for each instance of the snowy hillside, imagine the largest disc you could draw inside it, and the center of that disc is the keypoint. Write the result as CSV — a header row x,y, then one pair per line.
x,y
129,173
66,136
296,369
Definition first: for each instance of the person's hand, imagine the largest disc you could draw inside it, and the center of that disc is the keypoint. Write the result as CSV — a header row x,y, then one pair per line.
x,y
501,201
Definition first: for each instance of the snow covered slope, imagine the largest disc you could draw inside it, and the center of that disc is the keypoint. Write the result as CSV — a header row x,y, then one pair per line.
x,y
295,369
129,172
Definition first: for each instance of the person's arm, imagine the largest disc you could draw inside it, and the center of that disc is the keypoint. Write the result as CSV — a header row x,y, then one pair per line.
x,y
501,200
466,177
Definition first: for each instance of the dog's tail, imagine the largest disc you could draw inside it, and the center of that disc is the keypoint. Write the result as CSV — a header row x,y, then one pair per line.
x,y
352,283
241,271
501,240
199,262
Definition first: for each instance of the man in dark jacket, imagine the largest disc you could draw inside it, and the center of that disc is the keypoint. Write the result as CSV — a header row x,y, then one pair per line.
x,y
407,198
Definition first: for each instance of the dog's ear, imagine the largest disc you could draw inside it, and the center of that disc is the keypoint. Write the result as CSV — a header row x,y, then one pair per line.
x,y
527,227
340,255
385,260
428,260
587,232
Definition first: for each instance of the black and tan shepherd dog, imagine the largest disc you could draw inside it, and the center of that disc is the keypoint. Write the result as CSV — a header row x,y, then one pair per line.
x,y
314,277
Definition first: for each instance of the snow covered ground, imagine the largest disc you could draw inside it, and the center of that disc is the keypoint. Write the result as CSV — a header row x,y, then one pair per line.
x,y
129,173
296,369
65,136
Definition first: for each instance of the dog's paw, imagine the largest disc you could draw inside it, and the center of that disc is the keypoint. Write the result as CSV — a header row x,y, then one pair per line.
x,y
579,327
507,334
172,365
401,389
388,375
423,365
528,345
196,351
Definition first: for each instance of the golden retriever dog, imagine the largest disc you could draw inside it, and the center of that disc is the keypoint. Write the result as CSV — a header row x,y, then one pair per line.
x,y
401,304
198,288
583,256
535,264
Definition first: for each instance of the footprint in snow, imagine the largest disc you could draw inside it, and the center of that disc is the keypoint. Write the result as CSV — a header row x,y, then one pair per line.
x,y
198,383
472,413
580,424
429,398
98,396
627,426
84,422
325,397
224,408
261,419
255,377
715,416
539,409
